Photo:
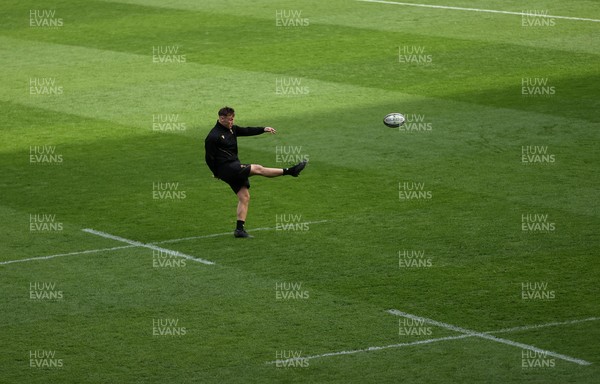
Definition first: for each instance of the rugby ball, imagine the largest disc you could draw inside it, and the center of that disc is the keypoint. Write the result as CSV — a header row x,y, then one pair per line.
x,y
394,120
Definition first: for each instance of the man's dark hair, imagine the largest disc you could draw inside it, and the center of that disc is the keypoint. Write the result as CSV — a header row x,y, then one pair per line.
x,y
226,111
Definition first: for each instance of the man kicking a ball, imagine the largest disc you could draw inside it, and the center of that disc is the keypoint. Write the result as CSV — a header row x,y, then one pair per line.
x,y
222,159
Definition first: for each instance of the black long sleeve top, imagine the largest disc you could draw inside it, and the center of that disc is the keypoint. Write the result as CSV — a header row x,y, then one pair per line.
x,y
220,145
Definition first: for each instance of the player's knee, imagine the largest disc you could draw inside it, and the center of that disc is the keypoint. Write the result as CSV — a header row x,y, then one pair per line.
x,y
257,169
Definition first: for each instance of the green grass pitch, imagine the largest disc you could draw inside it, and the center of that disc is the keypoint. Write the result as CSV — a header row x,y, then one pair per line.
x,y
479,215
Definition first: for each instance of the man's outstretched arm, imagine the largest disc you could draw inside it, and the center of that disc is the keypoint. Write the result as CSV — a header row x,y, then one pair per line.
x,y
252,131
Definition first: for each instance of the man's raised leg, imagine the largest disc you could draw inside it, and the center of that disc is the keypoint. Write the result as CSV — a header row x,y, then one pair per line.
x,y
256,169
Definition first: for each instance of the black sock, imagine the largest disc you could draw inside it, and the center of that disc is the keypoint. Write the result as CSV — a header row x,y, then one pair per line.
x,y
286,171
240,225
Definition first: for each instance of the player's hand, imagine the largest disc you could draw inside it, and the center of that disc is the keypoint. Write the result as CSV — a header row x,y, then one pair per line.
x,y
270,130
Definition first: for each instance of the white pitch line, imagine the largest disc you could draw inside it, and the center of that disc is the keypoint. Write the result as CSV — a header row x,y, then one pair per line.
x,y
488,337
480,10
66,254
192,238
226,233
150,246
556,323
353,351
428,341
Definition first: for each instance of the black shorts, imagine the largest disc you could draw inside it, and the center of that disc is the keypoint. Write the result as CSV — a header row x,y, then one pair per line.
x,y
235,174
